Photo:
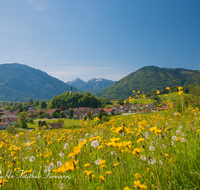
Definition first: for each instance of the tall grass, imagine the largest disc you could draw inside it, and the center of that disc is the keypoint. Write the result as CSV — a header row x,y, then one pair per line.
x,y
144,151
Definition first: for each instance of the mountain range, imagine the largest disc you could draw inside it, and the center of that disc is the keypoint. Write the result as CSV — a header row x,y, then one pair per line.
x,y
150,79
93,85
20,83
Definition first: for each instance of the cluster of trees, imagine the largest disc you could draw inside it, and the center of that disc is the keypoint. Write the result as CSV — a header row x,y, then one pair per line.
x,y
62,102
76,100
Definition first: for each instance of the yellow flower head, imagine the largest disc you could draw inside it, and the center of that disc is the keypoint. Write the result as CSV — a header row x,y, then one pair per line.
x,y
126,188
108,172
180,92
139,186
86,165
180,88
140,140
137,175
101,178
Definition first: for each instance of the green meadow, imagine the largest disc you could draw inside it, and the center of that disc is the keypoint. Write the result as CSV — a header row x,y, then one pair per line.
x,y
159,150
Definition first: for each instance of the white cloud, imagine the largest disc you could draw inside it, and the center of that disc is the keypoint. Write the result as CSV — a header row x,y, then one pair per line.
x,y
38,4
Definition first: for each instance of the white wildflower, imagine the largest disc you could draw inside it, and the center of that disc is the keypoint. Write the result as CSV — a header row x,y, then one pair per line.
x,y
160,162
143,157
28,142
52,165
171,143
95,143
61,154
147,134
113,153
180,127
174,138
183,139
178,131
81,140
39,136
59,163
66,145
97,161
152,161
47,169
152,148
32,158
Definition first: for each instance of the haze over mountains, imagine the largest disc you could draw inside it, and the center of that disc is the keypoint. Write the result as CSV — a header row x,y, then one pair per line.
x,y
20,83
93,85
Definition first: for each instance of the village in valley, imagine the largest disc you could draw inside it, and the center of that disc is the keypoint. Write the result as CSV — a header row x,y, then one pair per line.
x,y
8,117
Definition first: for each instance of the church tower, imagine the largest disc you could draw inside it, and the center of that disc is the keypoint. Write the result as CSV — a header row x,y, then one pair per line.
x,y
71,92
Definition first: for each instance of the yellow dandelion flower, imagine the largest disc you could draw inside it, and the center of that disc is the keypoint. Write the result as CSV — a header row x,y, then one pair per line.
x,y
108,172
180,92
102,162
137,150
126,188
167,155
101,178
140,140
137,175
139,186
180,88
88,173
86,165
116,164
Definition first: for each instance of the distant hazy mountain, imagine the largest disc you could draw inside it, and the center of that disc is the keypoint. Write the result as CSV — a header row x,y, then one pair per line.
x,y
150,78
93,85
20,83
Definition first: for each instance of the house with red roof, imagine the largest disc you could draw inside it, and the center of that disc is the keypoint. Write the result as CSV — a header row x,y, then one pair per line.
x,y
51,111
109,111
10,120
164,108
3,125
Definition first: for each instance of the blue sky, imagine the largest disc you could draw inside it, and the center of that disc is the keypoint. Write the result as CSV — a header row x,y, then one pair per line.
x,y
100,38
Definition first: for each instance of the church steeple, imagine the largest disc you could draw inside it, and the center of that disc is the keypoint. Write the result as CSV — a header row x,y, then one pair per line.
x,y
71,92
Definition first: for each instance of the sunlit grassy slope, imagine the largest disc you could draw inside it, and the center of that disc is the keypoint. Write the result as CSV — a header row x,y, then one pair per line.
x,y
160,150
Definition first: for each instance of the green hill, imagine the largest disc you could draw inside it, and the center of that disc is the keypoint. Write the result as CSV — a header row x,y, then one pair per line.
x,y
150,79
20,83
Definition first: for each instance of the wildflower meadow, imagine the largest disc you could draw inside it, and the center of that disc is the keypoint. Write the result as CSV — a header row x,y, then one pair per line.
x,y
159,150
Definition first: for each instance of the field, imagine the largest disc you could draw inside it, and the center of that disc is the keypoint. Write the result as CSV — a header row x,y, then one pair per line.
x,y
145,151
68,123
